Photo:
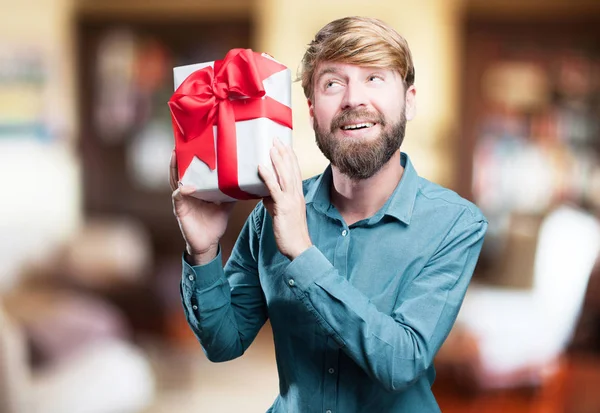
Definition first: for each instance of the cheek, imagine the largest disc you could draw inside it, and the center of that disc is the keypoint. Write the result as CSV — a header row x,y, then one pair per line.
x,y
320,122
390,101
323,112
393,109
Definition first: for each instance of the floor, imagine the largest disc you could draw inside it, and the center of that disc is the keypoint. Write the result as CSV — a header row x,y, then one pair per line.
x,y
189,383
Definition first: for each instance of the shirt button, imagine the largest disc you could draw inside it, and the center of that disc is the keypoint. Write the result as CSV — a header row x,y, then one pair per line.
x,y
191,278
344,233
195,307
331,370
291,282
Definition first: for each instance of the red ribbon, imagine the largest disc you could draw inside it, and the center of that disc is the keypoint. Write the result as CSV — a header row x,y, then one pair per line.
x,y
232,91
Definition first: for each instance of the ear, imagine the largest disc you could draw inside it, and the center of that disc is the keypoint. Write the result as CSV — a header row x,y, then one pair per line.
x,y
311,112
410,104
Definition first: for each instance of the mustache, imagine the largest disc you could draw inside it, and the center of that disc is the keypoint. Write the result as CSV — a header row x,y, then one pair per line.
x,y
352,115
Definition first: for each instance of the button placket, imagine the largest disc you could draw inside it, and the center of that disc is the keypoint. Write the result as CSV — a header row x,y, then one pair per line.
x,y
341,251
330,386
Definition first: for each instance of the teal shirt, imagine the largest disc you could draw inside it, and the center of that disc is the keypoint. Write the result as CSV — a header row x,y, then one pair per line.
x,y
358,318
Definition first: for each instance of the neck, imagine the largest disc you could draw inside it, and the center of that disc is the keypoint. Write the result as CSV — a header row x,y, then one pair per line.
x,y
360,199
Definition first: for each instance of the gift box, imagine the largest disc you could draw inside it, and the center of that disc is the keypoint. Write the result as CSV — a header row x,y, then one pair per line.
x,y
225,116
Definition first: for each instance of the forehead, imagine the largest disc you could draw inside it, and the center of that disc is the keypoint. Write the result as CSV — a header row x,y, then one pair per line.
x,y
347,69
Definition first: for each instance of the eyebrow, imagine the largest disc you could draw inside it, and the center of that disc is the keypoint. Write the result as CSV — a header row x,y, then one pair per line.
x,y
333,70
326,71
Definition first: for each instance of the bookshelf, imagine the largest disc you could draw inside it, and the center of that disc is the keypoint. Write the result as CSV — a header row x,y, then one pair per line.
x,y
531,120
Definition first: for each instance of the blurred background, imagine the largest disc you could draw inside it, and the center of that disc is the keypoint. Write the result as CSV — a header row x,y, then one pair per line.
x,y
90,254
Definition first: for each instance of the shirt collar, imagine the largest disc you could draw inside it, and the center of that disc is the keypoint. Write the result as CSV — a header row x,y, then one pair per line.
x,y
318,194
400,205
402,202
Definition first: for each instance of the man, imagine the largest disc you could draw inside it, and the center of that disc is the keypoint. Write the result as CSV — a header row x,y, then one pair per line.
x,y
362,269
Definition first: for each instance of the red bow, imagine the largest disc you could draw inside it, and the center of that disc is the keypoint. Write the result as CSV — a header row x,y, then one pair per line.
x,y
232,91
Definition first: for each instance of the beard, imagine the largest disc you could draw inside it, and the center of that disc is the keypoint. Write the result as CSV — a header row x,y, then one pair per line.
x,y
360,158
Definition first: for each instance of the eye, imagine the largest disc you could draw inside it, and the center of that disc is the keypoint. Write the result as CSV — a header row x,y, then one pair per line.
x,y
375,78
331,83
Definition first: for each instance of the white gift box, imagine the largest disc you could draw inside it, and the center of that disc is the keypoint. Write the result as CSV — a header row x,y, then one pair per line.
x,y
254,141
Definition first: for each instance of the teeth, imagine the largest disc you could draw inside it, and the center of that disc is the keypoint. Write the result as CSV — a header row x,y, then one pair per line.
x,y
358,126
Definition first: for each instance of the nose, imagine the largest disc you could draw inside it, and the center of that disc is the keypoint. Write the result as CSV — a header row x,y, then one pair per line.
x,y
355,95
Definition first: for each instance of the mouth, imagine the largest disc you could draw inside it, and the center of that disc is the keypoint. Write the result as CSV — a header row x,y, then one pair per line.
x,y
357,126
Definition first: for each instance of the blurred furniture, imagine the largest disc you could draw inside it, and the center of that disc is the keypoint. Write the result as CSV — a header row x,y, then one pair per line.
x,y
63,350
572,390
581,383
530,119
105,375
518,336
38,216
587,335
13,367
516,254
530,94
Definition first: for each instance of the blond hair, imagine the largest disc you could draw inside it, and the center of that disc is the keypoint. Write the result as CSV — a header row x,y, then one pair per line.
x,y
360,41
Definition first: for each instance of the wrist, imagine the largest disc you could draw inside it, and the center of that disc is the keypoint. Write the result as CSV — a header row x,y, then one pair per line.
x,y
201,257
300,249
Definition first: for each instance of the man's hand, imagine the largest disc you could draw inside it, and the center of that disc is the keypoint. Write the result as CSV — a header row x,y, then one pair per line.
x,y
202,223
286,204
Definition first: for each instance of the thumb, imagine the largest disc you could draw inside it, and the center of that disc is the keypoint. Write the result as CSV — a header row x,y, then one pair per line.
x,y
182,192
187,190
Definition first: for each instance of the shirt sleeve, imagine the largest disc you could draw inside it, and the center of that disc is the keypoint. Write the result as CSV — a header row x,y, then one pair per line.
x,y
395,349
225,307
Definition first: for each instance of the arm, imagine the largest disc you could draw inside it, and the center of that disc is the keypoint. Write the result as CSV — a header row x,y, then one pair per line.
x,y
226,308
396,349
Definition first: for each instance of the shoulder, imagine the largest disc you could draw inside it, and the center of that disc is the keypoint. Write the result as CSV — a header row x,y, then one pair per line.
x,y
434,197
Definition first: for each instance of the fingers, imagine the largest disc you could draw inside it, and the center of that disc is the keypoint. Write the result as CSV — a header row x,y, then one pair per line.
x,y
296,165
173,173
285,178
279,167
176,196
187,190
270,181
286,166
183,191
